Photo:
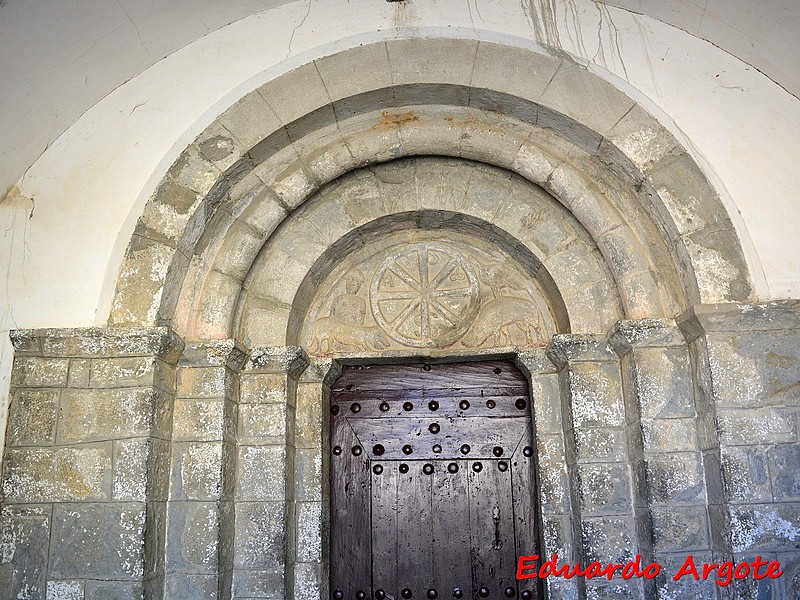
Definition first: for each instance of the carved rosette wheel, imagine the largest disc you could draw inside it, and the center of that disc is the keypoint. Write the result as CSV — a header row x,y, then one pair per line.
x,y
425,295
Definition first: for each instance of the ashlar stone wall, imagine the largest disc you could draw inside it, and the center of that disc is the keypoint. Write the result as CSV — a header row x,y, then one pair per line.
x,y
140,467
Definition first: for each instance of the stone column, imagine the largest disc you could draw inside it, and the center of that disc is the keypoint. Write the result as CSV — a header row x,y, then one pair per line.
x,y
199,557
600,454
560,525
264,496
747,362
683,498
86,462
311,491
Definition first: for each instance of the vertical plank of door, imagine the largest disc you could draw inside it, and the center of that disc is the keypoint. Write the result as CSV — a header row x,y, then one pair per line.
x,y
350,540
415,533
492,542
384,530
525,494
451,542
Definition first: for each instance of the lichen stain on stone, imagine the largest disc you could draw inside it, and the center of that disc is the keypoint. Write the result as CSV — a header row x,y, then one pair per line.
x,y
390,120
130,552
747,530
65,590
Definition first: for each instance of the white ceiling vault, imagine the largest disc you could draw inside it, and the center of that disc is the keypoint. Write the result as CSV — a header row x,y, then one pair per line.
x,y
61,58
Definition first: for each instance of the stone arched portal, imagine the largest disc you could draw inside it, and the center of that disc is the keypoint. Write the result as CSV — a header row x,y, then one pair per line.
x,y
187,442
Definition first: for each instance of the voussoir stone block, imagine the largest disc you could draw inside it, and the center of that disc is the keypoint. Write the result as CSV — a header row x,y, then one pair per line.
x,y
281,93
589,100
434,61
355,71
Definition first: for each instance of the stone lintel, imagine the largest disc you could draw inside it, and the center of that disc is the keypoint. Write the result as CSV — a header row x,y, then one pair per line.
x,y
213,353
769,316
645,333
566,348
94,342
290,360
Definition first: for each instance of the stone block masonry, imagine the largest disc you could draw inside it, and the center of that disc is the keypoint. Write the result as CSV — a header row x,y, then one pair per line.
x,y
85,471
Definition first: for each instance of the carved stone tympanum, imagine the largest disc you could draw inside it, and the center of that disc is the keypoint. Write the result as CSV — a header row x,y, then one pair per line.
x,y
426,289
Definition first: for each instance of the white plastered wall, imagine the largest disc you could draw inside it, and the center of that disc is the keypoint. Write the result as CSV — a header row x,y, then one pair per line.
x,y
70,218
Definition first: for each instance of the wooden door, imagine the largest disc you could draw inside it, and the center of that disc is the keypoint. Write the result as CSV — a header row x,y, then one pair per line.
x,y
432,482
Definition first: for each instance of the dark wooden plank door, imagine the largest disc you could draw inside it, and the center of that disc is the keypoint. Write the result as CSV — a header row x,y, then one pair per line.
x,y
432,482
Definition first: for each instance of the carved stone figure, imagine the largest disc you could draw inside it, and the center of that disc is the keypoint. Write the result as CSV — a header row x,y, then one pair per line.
x,y
344,328
506,321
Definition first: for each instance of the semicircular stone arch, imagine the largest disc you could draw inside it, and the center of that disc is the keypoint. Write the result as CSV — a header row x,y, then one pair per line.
x,y
373,224
658,225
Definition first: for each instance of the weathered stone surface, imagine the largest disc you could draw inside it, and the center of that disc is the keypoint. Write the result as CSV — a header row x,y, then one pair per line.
x,y
309,485
260,535
118,590
764,527
193,533
132,465
258,583
32,417
680,528
191,586
201,420
669,435
784,461
663,383
262,423
24,539
309,531
604,488
608,539
308,416
36,371
263,388
290,360
261,473
88,415
596,393
756,426
675,477
57,474
65,590
197,470
122,372
308,578
99,342
110,538
553,480
600,445
642,139
746,473
204,382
